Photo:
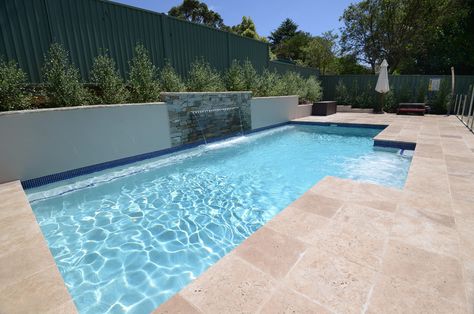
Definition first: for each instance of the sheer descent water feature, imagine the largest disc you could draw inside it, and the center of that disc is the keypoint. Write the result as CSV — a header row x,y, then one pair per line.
x,y
194,116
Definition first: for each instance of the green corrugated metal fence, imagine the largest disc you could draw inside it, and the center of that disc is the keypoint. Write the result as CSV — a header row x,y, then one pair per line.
x,y
282,68
87,27
410,84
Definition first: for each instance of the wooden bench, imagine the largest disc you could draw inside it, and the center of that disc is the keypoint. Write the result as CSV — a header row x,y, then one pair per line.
x,y
411,108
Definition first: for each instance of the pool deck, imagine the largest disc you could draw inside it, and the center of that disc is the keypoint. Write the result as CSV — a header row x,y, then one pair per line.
x,y
343,247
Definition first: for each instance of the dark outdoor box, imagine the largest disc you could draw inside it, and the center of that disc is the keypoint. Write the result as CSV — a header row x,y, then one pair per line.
x,y
324,108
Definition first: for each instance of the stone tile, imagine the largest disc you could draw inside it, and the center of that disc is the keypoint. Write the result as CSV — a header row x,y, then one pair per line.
x,y
355,214
461,188
425,234
332,281
66,308
36,294
17,231
271,252
440,204
285,301
427,216
297,223
229,286
317,204
391,295
25,262
436,273
429,151
177,305
357,243
14,200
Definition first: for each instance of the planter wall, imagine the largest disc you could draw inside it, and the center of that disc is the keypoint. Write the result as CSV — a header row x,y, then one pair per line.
x,y
35,143
267,111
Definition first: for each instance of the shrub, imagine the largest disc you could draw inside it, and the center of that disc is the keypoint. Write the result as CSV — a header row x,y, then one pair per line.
x,y
250,76
203,78
234,77
169,80
62,80
390,103
143,82
421,93
104,74
13,95
342,94
313,89
293,84
442,98
269,84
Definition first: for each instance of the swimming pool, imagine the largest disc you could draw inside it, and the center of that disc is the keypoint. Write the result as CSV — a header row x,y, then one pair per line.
x,y
126,239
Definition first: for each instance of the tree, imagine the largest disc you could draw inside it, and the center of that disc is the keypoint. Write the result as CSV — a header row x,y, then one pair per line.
x,y
247,28
292,47
197,12
396,30
286,30
320,52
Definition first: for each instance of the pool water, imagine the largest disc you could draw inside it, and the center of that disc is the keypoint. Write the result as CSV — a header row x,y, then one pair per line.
x,y
126,239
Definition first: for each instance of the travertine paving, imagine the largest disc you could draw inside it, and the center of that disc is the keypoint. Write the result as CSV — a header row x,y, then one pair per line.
x,y
343,247
350,247
30,282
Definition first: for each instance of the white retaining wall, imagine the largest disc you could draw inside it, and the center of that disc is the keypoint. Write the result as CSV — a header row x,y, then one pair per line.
x,y
267,111
35,143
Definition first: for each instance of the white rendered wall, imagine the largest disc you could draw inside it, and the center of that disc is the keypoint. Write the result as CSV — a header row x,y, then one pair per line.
x,y
267,111
35,143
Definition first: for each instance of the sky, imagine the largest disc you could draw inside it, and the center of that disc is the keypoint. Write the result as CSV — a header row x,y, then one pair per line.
x,y
313,16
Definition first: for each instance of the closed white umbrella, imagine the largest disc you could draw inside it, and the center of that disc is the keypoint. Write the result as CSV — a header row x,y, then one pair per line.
x,y
382,86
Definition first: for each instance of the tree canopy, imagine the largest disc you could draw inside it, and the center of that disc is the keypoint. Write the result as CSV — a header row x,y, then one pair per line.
x,y
197,12
285,31
413,35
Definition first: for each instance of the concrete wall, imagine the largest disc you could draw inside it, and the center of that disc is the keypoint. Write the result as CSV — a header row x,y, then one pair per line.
x,y
35,143
268,111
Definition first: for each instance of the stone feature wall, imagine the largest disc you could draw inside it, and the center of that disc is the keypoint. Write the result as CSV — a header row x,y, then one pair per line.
x,y
184,127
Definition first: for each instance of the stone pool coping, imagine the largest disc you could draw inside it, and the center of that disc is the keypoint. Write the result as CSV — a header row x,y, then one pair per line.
x,y
344,246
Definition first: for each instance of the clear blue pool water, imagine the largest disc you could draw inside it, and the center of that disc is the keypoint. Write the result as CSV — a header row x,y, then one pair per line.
x,y
127,239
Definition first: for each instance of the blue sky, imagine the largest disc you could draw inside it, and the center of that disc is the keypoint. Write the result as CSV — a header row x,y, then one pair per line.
x,y
314,16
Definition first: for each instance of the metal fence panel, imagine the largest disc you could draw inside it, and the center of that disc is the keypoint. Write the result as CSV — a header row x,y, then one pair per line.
x,y
87,27
408,83
282,68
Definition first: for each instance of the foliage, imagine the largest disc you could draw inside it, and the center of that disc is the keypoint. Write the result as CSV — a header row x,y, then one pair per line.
x,y
269,84
396,30
347,64
320,52
203,78
442,98
62,80
234,78
293,84
143,83
342,94
197,12
247,28
286,30
313,88
106,77
13,95
169,80
390,102
292,48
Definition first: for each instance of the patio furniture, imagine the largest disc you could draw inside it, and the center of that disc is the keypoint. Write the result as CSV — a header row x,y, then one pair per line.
x,y
324,108
411,108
